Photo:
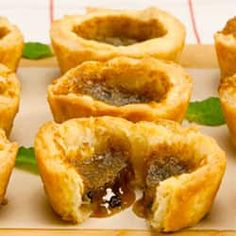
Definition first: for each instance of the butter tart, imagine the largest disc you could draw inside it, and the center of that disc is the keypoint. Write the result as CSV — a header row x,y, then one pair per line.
x,y
227,92
135,89
181,171
225,44
11,44
9,98
91,166
102,34
85,166
8,152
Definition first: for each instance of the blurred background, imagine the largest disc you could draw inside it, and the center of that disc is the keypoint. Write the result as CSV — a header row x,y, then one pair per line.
x,y
201,17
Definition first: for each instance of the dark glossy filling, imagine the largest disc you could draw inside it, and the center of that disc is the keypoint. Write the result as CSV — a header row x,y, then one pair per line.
x,y
230,27
119,30
117,41
3,32
157,170
107,177
3,86
115,96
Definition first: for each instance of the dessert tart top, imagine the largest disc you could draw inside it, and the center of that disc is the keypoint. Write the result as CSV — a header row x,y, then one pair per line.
x,y
129,32
125,84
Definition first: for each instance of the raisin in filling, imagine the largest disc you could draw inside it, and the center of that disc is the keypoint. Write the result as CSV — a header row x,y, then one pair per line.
x,y
107,177
116,96
157,170
230,27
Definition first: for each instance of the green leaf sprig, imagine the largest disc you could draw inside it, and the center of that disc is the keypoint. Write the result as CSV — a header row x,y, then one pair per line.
x,y
206,112
26,160
36,50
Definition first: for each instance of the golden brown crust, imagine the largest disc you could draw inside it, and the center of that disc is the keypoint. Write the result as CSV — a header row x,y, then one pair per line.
x,y
8,152
227,92
178,201
54,145
72,49
11,44
225,45
182,201
168,78
9,98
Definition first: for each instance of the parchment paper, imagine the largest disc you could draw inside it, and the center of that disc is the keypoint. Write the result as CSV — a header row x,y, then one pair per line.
x,y
27,205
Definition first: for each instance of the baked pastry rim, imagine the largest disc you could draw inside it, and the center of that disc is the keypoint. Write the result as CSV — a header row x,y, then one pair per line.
x,y
11,43
173,105
70,48
8,155
9,105
225,46
74,19
228,103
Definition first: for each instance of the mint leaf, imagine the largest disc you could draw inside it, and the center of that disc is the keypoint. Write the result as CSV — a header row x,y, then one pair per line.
x,y
26,160
206,112
36,50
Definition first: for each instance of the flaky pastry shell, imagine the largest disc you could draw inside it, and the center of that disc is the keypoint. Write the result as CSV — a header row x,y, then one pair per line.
x,y
227,92
178,200
165,84
225,45
8,152
9,98
11,44
102,34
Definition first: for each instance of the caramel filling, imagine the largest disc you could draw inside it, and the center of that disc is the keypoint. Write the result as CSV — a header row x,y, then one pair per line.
x,y
107,177
3,32
116,96
3,85
120,30
157,170
230,27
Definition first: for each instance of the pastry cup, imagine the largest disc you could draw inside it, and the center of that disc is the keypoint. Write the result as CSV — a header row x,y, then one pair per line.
x,y
183,199
11,44
103,34
227,92
60,147
163,90
225,45
178,200
9,98
8,152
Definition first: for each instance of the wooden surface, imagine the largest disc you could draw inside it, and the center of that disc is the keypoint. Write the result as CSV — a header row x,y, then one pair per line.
x,y
193,56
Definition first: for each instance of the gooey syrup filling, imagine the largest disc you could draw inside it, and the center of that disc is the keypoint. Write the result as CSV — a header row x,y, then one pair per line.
x,y
119,30
107,177
157,170
114,95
